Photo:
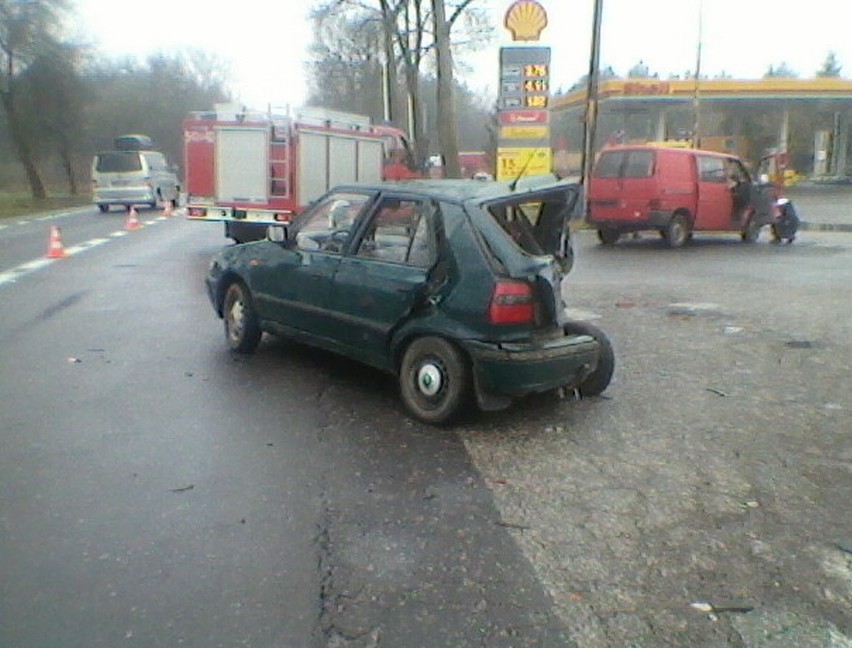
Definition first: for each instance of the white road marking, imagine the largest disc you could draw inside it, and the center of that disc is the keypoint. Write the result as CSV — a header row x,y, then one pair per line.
x,y
11,275
85,246
24,269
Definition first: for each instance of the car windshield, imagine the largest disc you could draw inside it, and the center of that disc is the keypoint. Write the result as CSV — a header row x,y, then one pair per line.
x,y
118,162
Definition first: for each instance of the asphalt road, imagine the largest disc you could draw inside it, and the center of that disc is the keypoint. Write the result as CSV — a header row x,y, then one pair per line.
x,y
706,501
159,491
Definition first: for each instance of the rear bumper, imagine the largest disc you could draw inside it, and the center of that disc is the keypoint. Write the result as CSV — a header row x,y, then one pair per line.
x,y
652,220
124,196
517,369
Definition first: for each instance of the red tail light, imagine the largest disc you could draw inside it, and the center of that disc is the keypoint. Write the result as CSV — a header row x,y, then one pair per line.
x,y
196,211
512,303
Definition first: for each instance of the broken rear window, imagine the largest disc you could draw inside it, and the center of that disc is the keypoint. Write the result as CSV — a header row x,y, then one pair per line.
x,y
536,227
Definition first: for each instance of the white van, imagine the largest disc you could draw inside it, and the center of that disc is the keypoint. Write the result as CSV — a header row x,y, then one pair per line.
x,y
133,177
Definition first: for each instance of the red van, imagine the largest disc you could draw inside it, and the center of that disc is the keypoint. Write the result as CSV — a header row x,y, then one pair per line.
x,y
676,192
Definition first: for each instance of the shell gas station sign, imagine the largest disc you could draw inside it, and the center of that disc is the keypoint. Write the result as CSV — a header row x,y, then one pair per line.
x,y
524,98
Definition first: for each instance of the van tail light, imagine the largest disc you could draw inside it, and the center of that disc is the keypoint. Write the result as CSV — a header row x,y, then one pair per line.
x,y
511,303
196,212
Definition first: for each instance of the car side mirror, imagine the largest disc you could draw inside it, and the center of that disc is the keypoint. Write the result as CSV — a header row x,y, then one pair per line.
x,y
277,233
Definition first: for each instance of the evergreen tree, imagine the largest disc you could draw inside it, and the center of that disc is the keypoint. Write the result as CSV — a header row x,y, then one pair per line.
x,y
831,66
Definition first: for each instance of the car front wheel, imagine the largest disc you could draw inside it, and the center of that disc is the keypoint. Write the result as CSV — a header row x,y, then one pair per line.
x,y
596,382
434,380
242,330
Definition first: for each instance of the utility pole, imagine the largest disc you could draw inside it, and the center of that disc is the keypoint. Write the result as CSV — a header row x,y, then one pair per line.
x,y
696,98
590,125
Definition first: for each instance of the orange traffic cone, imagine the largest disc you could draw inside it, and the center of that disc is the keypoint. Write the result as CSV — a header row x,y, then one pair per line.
x,y
168,209
54,245
132,222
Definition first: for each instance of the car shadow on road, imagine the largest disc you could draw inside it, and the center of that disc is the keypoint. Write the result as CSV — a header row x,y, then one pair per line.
x,y
369,394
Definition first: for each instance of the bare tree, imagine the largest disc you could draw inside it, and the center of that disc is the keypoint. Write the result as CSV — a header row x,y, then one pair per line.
x,y
447,121
408,20
345,70
51,96
28,31
411,33
152,97
447,128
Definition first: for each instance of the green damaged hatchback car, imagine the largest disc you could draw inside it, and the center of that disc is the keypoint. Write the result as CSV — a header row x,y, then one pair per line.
x,y
452,286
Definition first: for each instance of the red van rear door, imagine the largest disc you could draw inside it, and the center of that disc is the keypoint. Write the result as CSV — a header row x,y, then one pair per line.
x,y
622,186
605,187
639,185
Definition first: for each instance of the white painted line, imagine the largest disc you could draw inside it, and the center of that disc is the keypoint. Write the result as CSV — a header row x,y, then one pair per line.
x,y
24,269
85,246
35,264
9,276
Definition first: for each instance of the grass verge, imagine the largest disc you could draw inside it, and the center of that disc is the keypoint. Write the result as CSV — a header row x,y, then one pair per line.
x,y
18,204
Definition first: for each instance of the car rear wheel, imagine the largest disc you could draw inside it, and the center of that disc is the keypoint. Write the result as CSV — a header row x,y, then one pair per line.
x,y
677,232
103,208
608,236
596,382
242,330
434,380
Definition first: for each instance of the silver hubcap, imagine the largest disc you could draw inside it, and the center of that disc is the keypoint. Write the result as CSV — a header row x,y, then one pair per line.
x,y
429,379
235,318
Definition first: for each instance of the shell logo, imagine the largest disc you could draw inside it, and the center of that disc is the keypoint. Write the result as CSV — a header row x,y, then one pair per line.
x,y
526,19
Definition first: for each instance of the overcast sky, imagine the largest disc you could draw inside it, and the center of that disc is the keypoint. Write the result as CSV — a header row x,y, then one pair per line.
x,y
265,40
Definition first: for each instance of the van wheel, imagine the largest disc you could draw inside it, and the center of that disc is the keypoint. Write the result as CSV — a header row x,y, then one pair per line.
x,y
677,232
596,382
608,236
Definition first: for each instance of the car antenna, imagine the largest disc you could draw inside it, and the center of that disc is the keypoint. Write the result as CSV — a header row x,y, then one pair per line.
x,y
514,183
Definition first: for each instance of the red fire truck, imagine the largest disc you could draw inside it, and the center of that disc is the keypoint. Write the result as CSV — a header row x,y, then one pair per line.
x,y
253,169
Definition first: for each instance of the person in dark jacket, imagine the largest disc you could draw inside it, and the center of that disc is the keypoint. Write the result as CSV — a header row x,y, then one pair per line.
x,y
786,222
